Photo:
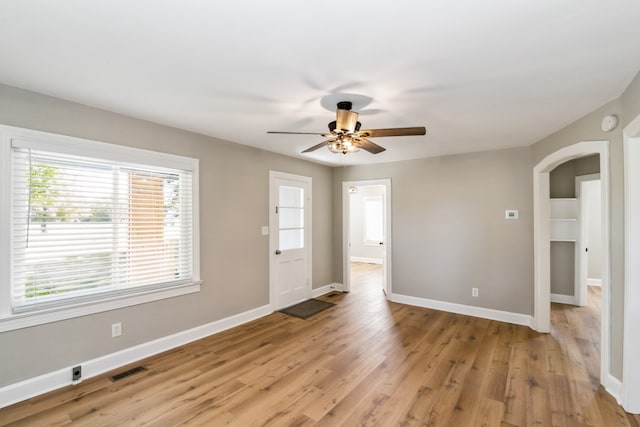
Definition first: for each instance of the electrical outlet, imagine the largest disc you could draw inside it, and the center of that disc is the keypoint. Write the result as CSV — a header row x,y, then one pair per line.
x,y
116,330
76,373
474,292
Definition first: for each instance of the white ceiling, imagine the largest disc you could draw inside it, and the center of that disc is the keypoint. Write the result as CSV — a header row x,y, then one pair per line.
x,y
479,75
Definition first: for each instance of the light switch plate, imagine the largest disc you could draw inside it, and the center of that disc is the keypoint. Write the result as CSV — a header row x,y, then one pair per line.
x,y
116,330
265,230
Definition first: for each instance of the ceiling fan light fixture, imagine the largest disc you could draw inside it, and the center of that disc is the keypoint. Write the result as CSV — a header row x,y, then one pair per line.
x,y
343,149
344,145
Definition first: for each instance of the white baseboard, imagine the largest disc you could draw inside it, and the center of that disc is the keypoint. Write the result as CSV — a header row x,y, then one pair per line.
x,y
367,260
469,310
31,387
594,282
614,388
564,299
326,289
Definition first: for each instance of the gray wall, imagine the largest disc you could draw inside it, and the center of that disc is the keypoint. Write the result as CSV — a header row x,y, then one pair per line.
x,y
449,233
630,101
234,182
562,179
562,268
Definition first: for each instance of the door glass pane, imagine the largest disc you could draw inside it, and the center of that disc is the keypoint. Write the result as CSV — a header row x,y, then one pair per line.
x,y
291,239
291,217
291,197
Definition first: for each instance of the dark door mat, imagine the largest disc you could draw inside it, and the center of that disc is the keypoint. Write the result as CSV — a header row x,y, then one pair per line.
x,y
307,308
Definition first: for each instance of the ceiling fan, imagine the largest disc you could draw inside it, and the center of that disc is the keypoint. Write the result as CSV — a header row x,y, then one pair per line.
x,y
345,135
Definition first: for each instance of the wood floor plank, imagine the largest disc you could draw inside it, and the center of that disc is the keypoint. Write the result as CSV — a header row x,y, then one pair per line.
x,y
489,413
340,386
516,393
472,403
365,361
342,409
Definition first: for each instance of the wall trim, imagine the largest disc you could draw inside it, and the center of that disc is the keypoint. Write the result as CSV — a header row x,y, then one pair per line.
x,y
614,388
367,260
468,310
564,299
630,344
326,289
31,387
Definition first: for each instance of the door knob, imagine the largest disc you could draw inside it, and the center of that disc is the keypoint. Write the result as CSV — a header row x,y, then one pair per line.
x,y
278,252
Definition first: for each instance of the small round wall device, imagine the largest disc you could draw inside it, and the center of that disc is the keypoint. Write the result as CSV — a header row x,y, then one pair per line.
x,y
609,123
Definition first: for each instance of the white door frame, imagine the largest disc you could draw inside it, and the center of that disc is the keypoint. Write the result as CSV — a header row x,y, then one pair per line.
x,y
582,259
273,228
541,321
631,344
346,232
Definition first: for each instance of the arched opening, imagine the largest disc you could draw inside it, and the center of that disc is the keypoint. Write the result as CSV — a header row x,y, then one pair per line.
x,y
542,252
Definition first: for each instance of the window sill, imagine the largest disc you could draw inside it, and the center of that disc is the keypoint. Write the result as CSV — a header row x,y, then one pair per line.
x,y
24,320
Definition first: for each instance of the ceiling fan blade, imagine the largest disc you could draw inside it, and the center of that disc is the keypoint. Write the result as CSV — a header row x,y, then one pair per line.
x,y
317,146
376,133
369,146
295,133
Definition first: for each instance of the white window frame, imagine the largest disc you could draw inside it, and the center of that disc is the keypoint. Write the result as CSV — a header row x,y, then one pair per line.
x,y
71,145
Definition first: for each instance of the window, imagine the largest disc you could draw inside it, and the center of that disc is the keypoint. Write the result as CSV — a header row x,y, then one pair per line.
x,y
291,218
93,222
373,224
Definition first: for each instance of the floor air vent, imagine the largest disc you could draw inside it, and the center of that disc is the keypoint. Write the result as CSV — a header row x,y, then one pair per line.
x,y
125,374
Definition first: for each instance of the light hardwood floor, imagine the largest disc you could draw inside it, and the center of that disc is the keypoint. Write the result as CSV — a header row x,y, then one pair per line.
x,y
363,362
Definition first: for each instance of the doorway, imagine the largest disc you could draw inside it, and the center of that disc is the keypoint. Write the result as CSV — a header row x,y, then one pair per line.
x,y
588,193
367,233
541,319
290,239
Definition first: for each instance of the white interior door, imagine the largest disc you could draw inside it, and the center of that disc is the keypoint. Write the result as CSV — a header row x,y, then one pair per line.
x,y
290,242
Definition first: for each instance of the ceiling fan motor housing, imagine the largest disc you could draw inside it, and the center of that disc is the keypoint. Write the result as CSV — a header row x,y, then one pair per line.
x,y
333,125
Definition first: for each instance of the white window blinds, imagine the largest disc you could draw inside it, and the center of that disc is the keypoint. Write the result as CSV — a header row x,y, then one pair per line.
x,y
86,228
